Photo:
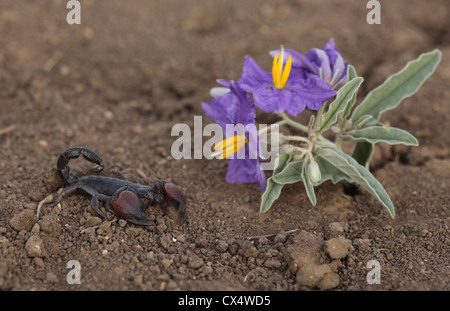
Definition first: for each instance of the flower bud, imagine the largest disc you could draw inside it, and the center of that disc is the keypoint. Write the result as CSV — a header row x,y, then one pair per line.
x,y
314,171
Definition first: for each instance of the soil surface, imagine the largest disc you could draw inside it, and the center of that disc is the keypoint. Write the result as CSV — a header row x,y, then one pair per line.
x,y
118,82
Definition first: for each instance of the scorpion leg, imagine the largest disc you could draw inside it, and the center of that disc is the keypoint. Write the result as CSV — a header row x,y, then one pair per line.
x,y
73,153
119,174
91,191
67,190
127,205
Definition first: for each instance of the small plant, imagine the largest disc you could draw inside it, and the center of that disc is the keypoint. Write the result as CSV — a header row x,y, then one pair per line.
x,y
324,82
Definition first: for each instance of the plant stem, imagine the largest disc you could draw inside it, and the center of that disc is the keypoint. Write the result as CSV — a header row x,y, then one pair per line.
x,y
292,122
319,115
339,142
266,129
304,128
297,138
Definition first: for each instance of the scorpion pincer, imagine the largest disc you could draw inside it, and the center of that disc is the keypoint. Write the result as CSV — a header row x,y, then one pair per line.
x,y
125,199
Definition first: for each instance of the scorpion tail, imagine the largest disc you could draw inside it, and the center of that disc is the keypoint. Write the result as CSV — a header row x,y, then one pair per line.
x,y
73,153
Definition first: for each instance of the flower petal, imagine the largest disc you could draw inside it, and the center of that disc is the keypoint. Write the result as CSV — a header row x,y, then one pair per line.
x,y
253,76
320,59
235,107
267,99
312,91
245,171
298,60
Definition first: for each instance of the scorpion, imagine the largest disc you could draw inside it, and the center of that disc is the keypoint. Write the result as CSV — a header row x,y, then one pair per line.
x,y
123,198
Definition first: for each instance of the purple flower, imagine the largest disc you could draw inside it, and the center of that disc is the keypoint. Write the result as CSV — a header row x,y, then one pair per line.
x,y
327,63
284,90
236,108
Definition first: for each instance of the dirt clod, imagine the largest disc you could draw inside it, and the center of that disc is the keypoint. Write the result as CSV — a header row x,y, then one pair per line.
x,y
34,246
338,248
23,220
315,275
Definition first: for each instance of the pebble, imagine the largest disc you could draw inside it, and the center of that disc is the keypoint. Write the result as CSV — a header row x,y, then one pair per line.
x,y
34,246
39,262
222,246
166,241
138,280
272,263
3,268
362,242
105,227
51,277
250,252
317,275
201,242
305,249
336,227
280,237
35,195
166,263
171,285
51,225
338,248
93,221
194,262
150,255
52,180
132,231
24,220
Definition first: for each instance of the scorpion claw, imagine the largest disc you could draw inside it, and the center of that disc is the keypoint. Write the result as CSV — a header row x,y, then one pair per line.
x,y
127,205
174,193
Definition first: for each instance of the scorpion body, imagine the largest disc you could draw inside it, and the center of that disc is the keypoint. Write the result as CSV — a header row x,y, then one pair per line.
x,y
122,197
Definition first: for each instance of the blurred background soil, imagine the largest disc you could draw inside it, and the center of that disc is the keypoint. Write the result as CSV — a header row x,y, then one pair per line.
x,y
117,84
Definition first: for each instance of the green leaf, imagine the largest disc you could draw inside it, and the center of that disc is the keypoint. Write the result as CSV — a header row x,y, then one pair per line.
x,y
397,87
343,97
272,193
281,162
351,74
358,173
330,172
308,186
292,173
376,134
273,190
363,152
363,120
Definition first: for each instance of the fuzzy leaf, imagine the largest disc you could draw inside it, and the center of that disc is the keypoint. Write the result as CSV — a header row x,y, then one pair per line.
x,y
358,173
330,172
308,186
272,193
292,173
363,152
397,87
343,97
351,74
376,134
273,190
280,163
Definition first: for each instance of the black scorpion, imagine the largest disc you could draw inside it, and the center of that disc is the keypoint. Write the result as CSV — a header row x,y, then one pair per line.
x,y
123,198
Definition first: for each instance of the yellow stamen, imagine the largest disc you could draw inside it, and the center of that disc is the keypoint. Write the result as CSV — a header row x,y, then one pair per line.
x,y
280,75
275,70
231,145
